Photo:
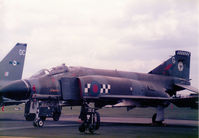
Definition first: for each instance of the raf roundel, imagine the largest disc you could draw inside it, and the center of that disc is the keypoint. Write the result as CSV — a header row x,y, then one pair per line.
x,y
14,63
92,89
95,89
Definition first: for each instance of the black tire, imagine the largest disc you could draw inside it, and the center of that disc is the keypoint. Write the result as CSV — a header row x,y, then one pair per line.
x,y
154,118
30,117
40,123
91,129
156,123
96,121
82,128
56,116
34,124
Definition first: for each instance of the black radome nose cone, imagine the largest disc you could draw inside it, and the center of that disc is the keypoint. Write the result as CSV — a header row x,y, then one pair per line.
x,y
17,90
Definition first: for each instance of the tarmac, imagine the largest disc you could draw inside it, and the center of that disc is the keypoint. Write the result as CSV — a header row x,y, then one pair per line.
x,y
14,125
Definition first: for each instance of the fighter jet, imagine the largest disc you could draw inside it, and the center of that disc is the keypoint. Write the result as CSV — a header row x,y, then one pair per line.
x,y
92,89
11,68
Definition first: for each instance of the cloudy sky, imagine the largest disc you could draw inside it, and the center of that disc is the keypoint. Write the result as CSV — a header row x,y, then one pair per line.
x,y
131,35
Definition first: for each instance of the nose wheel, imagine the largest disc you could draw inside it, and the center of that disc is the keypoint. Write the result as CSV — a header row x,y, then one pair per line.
x,y
38,123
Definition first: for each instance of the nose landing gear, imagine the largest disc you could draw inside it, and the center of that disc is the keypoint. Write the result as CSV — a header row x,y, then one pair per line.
x,y
38,123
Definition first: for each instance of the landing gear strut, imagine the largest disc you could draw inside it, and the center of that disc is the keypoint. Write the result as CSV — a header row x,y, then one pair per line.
x,y
38,121
56,116
90,118
158,118
156,123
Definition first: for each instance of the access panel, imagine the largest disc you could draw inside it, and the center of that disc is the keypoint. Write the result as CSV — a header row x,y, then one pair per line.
x,y
70,89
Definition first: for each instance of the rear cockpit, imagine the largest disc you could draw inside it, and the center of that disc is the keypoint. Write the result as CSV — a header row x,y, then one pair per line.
x,y
59,69
52,71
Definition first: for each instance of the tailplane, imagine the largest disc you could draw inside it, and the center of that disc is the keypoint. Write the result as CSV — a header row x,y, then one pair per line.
x,y
11,67
176,66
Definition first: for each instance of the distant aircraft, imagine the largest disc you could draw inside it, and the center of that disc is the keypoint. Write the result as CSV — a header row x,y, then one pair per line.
x,y
11,68
49,90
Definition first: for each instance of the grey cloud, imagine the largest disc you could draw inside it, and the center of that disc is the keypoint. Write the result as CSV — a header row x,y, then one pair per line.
x,y
100,33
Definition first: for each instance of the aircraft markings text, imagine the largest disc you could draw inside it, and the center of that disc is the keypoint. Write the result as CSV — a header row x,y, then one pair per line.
x,y
22,52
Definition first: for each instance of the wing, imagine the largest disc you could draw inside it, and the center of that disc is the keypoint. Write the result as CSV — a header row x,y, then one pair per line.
x,y
188,87
123,92
143,101
106,90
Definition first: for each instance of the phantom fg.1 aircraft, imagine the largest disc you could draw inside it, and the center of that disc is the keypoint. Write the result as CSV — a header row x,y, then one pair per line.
x,y
49,90
11,68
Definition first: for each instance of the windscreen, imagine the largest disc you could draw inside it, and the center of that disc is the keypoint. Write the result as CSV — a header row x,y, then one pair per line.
x,y
40,73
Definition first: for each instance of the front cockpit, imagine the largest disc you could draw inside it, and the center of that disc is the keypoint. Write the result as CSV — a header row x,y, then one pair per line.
x,y
40,73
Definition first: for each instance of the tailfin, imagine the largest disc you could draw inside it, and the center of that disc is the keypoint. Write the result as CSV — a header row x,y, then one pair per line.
x,y
11,67
177,66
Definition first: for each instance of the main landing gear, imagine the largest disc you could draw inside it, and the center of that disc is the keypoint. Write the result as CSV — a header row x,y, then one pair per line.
x,y
90,118
154,122
158,118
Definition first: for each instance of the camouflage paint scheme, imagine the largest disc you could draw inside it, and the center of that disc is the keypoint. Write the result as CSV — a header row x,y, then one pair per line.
x,y
71,86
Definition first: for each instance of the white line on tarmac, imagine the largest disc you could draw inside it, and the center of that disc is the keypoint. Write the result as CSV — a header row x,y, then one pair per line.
x,y
46,126
111,120
137,120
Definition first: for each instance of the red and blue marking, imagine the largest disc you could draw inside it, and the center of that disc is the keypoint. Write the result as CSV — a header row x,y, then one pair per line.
x,y
95,89
92,89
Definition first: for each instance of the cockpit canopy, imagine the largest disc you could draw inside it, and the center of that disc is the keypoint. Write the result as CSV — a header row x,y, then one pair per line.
x,y
41,73
59,69
55,70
